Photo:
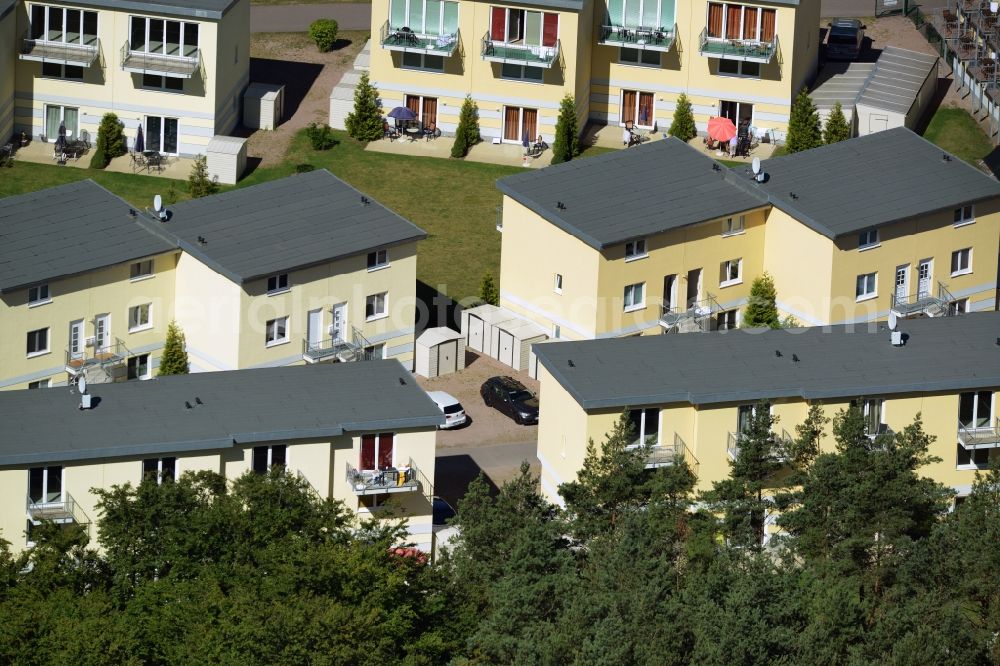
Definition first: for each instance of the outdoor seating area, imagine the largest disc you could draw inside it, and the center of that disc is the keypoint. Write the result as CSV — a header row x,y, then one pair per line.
x,y
639,37
406,125
147,161
406,39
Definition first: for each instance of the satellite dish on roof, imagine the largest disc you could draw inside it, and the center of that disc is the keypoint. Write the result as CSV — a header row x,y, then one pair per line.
x,y
755,165
81,384
892,320
157,203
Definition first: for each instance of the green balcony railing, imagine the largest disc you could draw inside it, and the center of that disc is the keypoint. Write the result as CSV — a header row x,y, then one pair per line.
x,y
751,50
519,54
638,37
409,41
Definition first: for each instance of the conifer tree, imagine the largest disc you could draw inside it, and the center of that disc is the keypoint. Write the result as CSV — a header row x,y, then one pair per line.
x,y
762,309
110,141
683,126
199,184
467,133
488,292
567,142
364,123
174,360
836,128
804,131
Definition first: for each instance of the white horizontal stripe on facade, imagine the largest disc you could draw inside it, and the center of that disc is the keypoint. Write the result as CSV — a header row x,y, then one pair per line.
x,y
550,487
531,307
382,337
691,92
33,376
631,330
802,317
208,358
978,289
457,94
278,363
117,107
398,350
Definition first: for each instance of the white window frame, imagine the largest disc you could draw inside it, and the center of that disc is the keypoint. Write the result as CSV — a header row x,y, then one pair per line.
x,y
137,273
159,468
734,226
134,325
40,384
63,68
270,456
505,68
641,435
558,285
65,10
373,300
271,329
162,86
163,37
39,298
866,406
972,464
968,261
743,8
975,408
868,239
740,65
422,28
964,215
869,293
378,259
635,117
958,306
635,249
48,343
425,59
45,483
640,54
377,350
630,304
147,375
733,314
279,288
556,332
726,269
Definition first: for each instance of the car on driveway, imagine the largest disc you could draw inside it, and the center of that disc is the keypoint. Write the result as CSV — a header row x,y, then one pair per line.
x,y
454,413
512,398
844,39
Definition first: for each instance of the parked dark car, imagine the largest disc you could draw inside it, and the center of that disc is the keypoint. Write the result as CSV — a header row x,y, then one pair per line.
x,y
511,397
845,39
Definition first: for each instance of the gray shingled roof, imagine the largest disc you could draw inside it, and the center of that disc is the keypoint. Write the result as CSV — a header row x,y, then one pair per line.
x,y
946,353
899,74
284,224
869,181
199,9
238,407
631,193
67,230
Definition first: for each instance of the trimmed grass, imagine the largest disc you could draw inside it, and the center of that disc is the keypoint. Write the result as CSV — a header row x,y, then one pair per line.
x,y
136,189
954,130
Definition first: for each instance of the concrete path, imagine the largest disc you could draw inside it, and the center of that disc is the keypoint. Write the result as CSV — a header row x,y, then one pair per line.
x,y
455,468
296,18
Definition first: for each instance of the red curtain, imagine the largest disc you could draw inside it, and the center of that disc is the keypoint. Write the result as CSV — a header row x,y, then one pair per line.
x,y
714,19
430,114
767,21
498,23
733,21
550,29
385,442
750,23
646,109
628,105
413,104
530,124
367,452
511,116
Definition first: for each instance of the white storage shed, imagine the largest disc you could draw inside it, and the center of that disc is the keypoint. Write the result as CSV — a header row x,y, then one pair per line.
x,y
439,351
899,91
227,158
342,99
263,105
477,325
512,340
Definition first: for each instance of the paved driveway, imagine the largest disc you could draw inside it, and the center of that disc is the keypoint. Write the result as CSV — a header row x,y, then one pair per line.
x,y
296,18
455,468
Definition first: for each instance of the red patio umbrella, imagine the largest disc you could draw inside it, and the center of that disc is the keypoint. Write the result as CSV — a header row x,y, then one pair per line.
x,y
721,129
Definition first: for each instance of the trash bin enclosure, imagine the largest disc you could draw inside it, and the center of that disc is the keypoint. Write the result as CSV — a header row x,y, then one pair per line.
x,y
439,351
263,105
226,158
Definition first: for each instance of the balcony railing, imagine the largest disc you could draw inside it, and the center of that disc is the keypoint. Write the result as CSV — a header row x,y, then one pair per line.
x,y
407,479
338,349
406,40
750,50
664,455
924,303
91,355
519,54
638,37
61,509
161,64
64,53
983,437
695,317
782,441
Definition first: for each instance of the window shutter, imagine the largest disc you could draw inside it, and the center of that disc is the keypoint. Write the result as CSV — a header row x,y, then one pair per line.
x,y
550,29
498,23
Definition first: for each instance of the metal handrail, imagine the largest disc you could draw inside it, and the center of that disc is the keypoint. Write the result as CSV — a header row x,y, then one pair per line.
x,y
146,58
377,482
92,355
61,509
733,444
979,437
533,55
69,50
629,34
697,311
389,36
739,47
943,297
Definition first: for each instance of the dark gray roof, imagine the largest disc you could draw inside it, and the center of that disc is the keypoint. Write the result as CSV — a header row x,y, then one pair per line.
x,y
869,181
201,9
630,193
290,223
6,6
940,354
899,74
67,230
238,407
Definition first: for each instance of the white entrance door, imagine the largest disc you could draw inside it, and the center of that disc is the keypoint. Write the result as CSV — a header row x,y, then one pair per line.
x,y
102,333
315,328
902,282
924,278
338,321
76,338
61,115
475,333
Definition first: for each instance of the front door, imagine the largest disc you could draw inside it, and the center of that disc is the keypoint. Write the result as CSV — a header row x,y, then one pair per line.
x,y
315,328
924,278
59,115
102,333
338,321
693,287
161,134
76,338
902,282
519,123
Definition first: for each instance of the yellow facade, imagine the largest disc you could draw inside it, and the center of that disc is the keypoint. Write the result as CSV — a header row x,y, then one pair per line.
x,y
207,103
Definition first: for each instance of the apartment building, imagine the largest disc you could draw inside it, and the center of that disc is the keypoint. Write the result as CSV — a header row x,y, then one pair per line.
x,y
622,61
692,395
371,444
660,238
179,69
300,270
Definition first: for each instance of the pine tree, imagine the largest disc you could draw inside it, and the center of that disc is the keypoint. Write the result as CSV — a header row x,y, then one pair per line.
x,y
467,134
804,130
683,126
836,128
174,360
804,449
567,142
762,309
199,184
364,123
488,292
110,141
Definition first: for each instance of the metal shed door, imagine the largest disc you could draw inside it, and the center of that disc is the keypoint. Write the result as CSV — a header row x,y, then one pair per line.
x,y
475,333
505,353
447,355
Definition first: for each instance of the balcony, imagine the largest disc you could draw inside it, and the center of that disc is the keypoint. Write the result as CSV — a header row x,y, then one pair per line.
x,y
638,37
979,437
408,41
749,50
406,479
337,349
113,354
64,53
161,64
61,508
781,442
696,317
923,303
519,54
666,455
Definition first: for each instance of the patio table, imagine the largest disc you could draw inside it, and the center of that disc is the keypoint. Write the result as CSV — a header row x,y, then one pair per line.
x,y
413,132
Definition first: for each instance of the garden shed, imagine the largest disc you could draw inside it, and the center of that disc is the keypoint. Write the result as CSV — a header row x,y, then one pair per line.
x,y
511,340
477,324
439,351
899,91
227,158
263,105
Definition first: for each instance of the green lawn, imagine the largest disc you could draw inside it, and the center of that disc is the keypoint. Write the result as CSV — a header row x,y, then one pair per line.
x,y
136,189
954,130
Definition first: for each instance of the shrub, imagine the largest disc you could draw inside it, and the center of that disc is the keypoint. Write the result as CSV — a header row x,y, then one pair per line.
x,y
803,126
174,360
304,168
199,183
567,142
364,123
320,136
837,128
110,141
762,309
682,126
467,134
488,291
324,33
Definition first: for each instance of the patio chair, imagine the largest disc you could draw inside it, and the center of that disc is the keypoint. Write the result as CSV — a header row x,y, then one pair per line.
x,y
431,132
138,161
85,138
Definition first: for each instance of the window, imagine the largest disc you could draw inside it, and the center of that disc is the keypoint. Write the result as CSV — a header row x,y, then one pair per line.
x,y
376,306
377,451
40,384
433,63
161,134
375,352
63,25
974,459
38,342
266,457
730,272
873,412
866,286
276,332
378,259
156,35
55,70
556,331
139,318
645,426
277,283
637,108
726,320
739,68
961,261
141,269
635,249
959,306
45,484
558,285
639,57
634,296
38,295
425,17
160,469
522,72
730,21
867,239
138,367
733,225
965,215
975,410
157,82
